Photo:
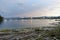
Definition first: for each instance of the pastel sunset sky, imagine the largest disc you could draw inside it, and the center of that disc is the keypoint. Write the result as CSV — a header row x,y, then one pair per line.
x,y
29,8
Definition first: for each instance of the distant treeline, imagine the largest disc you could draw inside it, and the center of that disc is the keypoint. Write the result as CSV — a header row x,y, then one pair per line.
x,y
48,17
35,18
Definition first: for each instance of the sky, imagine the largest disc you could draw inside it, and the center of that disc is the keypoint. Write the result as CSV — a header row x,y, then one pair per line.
x,y
29,8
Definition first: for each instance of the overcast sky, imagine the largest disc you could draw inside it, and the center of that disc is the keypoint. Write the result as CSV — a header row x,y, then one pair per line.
x,y
24,8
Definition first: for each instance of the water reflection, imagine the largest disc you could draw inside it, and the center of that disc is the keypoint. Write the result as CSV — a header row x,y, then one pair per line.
x,y
26,23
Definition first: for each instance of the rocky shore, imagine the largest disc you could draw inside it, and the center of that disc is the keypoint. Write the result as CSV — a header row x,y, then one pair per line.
x,y
28,34
25,34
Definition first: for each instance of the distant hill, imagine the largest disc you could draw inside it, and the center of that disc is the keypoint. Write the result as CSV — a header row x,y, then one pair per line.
x,y
43,17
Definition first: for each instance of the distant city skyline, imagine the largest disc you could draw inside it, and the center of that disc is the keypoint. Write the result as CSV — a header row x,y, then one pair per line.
x,y
29,8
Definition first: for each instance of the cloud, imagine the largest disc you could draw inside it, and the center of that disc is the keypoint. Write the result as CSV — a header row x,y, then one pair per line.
x,y
11,8
52,9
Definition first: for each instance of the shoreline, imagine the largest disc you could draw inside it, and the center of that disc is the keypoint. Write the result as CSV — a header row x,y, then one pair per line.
x,y
23,34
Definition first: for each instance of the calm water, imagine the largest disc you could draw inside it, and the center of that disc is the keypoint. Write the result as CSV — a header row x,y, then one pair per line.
x,y
26,23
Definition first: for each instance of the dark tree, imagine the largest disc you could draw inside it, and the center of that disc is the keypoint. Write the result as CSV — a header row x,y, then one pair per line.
x,y
1,19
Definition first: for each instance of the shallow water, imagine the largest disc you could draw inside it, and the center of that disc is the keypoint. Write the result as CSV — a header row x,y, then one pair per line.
x,y
26,23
